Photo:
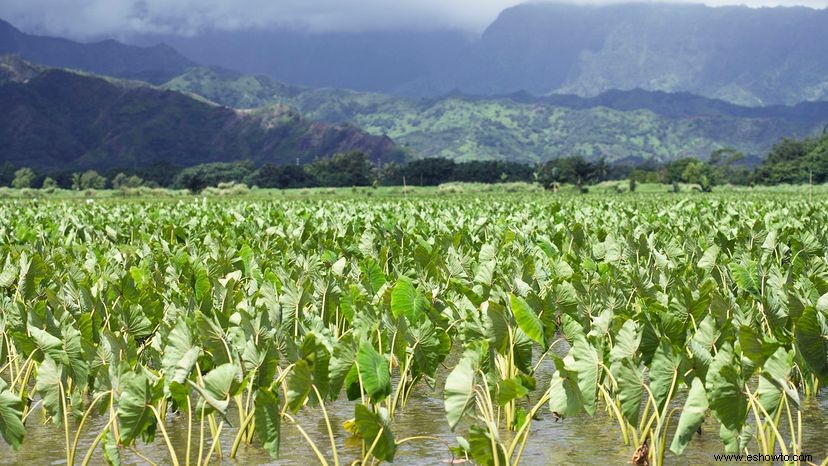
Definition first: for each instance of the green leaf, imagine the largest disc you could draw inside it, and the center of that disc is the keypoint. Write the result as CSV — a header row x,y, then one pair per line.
x,y
485,447
775,381
812,340
626,342
407,301
724,390
374,427
630,389
11,417
663,371
527,319
134,413
564,394
299,385
708,259
692,416
268,420
180,354
50,377
374,373
220,384
111,453
459,391
510,389
587,364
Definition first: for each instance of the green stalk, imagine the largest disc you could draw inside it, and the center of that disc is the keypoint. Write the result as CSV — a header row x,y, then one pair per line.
x,y
170,448
328,425
80,425
313,446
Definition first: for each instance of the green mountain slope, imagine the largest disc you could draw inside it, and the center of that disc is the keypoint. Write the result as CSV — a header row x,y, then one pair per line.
x,y
152,64
628,125
54,119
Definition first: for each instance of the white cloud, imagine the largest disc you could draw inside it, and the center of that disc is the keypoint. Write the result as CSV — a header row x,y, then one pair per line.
x,y
119,18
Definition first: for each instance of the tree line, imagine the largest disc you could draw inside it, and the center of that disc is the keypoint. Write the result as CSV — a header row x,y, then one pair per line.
x,y
794,161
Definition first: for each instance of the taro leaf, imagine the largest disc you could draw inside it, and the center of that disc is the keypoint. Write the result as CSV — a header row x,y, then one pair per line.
x,y
587,364
730,438
523,352
316,354
773,382
8,275
428,347
374,275
626,342
180,354
480,447
527,319
812,340
692,416
459,391
111,453
510,389
372,425
663,372
754,347
299,385
50,378
724,390
407,301
708,259
340,364
630,389
263,359
268,420
564,394
49,344
220,384
498,326
374,373
11,417
134,413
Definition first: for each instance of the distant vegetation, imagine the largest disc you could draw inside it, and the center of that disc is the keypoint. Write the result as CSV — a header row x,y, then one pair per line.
x,y
790,161
620,126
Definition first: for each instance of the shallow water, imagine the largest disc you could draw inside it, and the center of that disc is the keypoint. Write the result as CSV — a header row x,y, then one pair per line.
x,y
582,440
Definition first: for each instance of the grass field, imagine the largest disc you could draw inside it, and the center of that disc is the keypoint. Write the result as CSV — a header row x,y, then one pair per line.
x,y
497,324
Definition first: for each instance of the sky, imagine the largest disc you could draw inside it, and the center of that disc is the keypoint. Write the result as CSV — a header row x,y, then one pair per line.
x,y
85,19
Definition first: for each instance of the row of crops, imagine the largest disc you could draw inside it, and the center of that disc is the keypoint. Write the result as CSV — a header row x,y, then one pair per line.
x,y
121,321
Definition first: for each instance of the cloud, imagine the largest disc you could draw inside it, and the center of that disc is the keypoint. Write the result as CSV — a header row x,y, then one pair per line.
x,y
121,18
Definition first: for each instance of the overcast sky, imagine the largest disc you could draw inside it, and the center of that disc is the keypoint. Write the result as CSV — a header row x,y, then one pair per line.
x,y
120,18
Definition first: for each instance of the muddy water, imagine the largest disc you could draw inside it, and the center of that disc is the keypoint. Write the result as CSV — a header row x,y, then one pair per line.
x,y
581,440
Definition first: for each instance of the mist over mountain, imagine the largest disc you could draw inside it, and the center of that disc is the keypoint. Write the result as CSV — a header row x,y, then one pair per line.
x,y
749,56
154,64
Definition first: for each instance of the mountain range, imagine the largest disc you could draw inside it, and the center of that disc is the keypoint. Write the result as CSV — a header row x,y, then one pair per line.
x,y
628,126
59,119
748,56
108,104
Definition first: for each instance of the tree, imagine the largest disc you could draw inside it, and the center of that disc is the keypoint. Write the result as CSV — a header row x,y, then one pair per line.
x,y
698,173
343,169
122,181
23,178
198,177
281,176
89,179
49,184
